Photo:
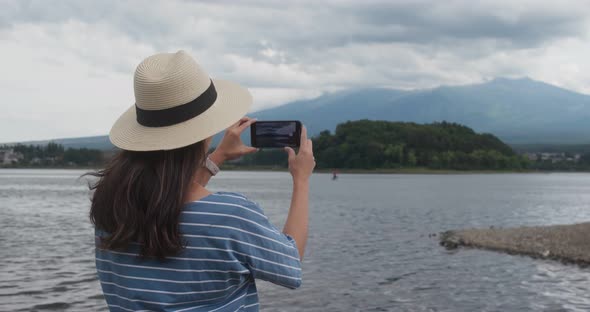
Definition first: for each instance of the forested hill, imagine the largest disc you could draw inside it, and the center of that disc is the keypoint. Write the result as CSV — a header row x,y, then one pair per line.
x,y
367,144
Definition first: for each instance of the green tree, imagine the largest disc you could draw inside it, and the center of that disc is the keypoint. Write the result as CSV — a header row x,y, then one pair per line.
x,y
368,144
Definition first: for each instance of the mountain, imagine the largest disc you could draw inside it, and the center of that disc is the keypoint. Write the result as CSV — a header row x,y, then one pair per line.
x,y
518,111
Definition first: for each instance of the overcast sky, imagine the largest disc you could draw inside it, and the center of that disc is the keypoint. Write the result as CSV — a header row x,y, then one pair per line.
x,y
66,67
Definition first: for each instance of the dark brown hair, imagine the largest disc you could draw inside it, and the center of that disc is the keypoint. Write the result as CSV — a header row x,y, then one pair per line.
x,y
139,197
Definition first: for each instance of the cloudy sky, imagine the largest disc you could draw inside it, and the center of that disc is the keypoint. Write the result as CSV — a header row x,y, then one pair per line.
x,y
67,66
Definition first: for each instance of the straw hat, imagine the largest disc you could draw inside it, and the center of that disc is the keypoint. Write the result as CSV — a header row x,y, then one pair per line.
x,y
177,104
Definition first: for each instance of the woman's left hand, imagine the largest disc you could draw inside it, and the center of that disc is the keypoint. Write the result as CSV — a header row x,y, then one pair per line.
x,y
231,146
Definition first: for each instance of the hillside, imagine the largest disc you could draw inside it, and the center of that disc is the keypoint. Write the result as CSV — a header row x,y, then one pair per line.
x,y
518,111
369,144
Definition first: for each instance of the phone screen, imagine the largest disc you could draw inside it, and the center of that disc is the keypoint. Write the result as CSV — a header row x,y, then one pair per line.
x,y
275,133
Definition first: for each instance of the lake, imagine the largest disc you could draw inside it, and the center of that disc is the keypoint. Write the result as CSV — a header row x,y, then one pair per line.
x,y
369,247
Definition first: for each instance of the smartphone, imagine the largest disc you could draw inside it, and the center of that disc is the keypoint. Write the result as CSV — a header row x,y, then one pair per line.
x,y
269,134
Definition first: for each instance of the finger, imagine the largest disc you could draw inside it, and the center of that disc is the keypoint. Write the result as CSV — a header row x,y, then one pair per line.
x,y
303,136
239,122
290,152
250,150
244,119
247,123
236,124
310,146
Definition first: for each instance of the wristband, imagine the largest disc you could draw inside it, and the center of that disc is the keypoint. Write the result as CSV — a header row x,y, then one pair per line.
x,y
211,166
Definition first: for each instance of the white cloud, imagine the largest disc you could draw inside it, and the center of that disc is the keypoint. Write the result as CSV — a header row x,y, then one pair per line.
x,y
270,97
64,80
68,65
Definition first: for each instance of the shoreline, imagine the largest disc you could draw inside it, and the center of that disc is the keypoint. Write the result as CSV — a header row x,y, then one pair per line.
x,y
417,170
564,243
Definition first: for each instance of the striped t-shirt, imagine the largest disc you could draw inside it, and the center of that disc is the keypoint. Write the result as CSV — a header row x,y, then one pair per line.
x,y
229,244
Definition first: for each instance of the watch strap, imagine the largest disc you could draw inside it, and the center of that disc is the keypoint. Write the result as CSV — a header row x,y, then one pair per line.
x,y
211,166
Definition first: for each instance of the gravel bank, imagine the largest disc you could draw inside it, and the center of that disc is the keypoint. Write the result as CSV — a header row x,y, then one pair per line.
x,y
565,243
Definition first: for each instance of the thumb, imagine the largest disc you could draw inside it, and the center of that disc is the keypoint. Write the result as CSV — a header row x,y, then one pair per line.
x,y
290,152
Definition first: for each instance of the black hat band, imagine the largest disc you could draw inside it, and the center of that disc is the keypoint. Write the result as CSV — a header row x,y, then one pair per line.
x,y
177,114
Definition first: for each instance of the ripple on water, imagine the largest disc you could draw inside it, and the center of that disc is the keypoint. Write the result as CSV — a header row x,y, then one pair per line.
x,y
53,306
26,292
78,281
367,249
393,279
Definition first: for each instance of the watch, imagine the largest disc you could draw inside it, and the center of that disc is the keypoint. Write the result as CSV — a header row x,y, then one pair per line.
x,y
211,166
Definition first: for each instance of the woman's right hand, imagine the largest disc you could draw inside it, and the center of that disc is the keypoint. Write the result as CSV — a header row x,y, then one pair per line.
x,y
301,164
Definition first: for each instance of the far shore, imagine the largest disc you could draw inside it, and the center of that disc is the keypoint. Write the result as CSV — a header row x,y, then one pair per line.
x,y
416,170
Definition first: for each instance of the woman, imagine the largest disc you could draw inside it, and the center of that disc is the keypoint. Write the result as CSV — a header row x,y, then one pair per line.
x,y
164,242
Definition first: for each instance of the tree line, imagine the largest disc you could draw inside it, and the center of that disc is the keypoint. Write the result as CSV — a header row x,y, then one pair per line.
x,y
367,144
54,155
362,144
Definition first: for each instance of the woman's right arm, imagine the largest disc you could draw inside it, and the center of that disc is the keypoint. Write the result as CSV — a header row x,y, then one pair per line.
x,y
271,255
301,167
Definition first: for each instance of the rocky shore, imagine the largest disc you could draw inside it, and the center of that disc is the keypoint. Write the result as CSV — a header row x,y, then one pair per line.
x,y
565,243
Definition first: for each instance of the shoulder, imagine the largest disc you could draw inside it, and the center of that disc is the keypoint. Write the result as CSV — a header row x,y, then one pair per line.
x,y
230,195
230,202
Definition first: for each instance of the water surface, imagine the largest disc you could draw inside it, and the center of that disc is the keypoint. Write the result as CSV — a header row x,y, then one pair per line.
x,y
369,247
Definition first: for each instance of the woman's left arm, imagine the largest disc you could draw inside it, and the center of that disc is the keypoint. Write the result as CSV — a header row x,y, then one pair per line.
x,y
231,147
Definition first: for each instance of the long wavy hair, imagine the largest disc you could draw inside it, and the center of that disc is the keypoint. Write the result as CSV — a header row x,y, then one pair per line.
x,y
138,198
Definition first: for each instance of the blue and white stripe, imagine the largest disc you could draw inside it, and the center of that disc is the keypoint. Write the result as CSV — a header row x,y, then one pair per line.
x,y
229,244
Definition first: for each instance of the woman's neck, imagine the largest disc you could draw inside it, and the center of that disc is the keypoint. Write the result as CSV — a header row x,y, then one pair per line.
x,y
196,192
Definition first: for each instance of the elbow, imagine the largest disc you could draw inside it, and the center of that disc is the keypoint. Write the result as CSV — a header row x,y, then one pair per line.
x,y
296,284
295,281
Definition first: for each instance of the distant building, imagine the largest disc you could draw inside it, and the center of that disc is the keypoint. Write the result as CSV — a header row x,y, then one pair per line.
x,y
9,156
531,156
552,157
